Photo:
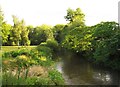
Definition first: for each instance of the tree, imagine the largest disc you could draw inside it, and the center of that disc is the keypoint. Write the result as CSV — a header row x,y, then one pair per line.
x,y
76,36
4,29
24,34
40,34
1,21
19,32
106,43
15,36
5,33
31,29
75,16
57,29
78,39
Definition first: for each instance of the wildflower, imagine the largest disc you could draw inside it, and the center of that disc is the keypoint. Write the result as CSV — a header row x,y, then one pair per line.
x,y
23,57
43,58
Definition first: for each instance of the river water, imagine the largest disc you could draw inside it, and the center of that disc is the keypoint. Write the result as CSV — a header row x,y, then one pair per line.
x,y
78,71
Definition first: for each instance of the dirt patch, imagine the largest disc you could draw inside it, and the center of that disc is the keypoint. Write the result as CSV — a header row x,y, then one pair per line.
x,y
37,71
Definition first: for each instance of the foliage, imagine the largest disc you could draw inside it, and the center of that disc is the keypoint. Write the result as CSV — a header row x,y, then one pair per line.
x,y
42,56
15,32
24,34
44,51
57,30
5,32
22,60
1,20
53,44
40,34
44,81
16,53
10,79
56,77
101,41
106,43
73,15
78,39
19,33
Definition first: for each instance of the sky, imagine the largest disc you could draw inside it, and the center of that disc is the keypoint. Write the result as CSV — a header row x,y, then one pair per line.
x,y
52,12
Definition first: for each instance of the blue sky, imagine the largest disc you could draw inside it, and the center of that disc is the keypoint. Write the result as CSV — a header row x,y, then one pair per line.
x,y
52,12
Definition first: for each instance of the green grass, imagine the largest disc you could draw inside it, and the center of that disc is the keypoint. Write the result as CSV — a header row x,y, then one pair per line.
x,y
13,48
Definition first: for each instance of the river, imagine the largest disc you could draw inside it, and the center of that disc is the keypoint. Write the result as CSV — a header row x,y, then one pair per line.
x,y
78,71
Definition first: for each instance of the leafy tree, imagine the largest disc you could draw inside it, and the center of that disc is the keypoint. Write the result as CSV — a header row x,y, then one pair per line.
x,y
31,29
19,33
5,33
78,39
75,33
1,21
75,16
4,29
76,19
40,34
15,36
24,34
57,29
106,43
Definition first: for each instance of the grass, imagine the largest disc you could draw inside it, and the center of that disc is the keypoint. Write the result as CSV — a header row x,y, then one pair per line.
x,y
13,48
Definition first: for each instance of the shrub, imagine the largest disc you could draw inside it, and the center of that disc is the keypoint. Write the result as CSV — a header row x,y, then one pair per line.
x,y
56,77
53,44
6,55
16,53
44,81
45,61
22,61
44,51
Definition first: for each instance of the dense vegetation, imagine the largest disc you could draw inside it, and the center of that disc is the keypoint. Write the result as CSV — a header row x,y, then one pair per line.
x,y
99,43
30,67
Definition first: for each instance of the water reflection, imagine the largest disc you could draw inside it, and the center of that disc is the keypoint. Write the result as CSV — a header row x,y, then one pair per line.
x,y
105,78
77,71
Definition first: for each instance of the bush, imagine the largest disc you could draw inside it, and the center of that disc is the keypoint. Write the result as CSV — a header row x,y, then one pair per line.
x,y
56,77
44,81
53,44
6,55
16,53
22,61
44,51
45,61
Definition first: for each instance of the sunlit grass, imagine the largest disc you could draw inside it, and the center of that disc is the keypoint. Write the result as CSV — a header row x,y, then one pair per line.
x,y
13,48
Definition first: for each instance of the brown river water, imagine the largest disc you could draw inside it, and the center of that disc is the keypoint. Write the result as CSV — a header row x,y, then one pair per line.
x,y
78,71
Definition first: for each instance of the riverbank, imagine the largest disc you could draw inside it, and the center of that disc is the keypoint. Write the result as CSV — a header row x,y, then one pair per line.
x,y
29,67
